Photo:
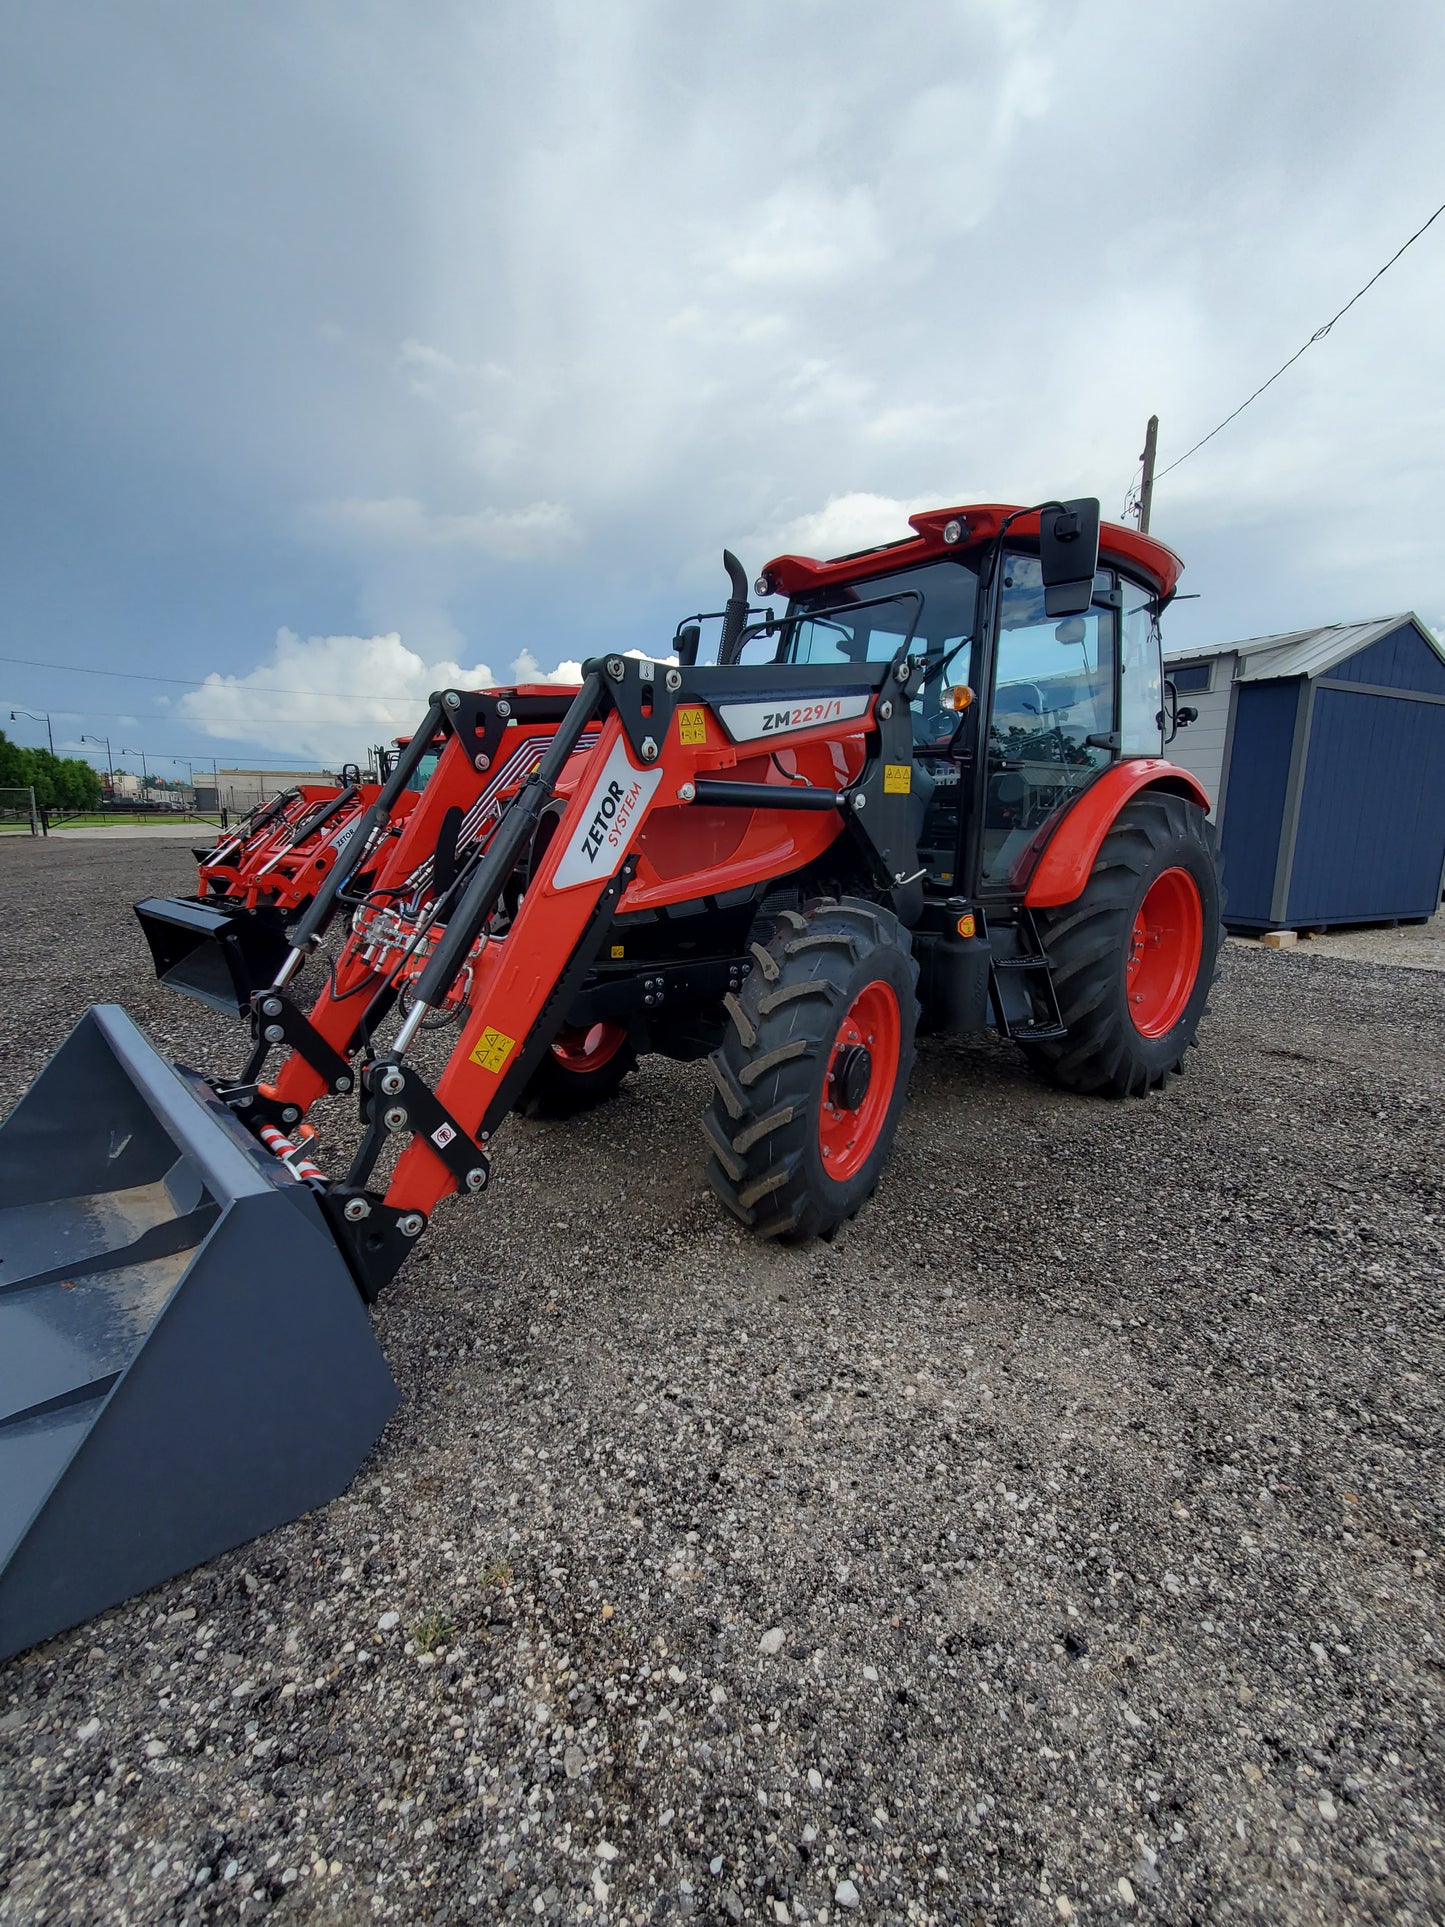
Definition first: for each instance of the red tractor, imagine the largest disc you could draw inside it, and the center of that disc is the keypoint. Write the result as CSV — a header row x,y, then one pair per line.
x,y
930,793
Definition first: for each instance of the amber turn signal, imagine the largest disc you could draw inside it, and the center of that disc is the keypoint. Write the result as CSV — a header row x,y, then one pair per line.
x,y
968,925
961,695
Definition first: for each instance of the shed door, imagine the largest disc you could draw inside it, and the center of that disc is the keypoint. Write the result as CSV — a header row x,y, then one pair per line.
x,y
1371,837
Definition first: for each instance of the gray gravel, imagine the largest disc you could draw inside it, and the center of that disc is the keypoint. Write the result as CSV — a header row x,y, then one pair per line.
x,y
1416,946
1064,1542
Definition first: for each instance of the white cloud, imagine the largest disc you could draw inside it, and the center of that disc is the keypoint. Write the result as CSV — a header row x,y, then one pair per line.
x,y
845,524
331,697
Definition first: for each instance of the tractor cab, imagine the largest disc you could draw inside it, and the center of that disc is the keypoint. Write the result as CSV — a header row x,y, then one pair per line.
x,y
1029,683
387,760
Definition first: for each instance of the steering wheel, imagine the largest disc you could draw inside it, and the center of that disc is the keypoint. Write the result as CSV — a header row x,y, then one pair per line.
x,y
942,723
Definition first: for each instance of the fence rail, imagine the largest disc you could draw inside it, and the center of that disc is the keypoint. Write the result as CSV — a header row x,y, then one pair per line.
x,y
18,814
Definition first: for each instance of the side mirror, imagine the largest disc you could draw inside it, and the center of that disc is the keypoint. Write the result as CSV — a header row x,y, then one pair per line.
x,y
1172,717
685,642
1072,630
1069,555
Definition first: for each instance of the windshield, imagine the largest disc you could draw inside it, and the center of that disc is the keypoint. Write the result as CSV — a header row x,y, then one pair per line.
x,y
932,608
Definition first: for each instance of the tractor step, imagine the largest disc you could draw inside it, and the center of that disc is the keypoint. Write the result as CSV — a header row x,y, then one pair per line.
x,y
1025,1003
185,1361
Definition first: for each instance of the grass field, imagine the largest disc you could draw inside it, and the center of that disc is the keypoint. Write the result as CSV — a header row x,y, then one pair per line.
x,y
130,819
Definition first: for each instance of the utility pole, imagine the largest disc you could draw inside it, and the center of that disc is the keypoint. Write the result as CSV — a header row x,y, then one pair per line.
x,y
1146,487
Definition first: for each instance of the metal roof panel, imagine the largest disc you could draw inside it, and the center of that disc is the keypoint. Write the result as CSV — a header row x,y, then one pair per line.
x,y
1304,652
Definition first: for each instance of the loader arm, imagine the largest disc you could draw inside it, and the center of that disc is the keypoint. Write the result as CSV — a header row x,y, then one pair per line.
x,y
674,750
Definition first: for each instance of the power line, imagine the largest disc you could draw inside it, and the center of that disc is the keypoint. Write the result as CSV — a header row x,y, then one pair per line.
x,y
187,682
414,710
1318,335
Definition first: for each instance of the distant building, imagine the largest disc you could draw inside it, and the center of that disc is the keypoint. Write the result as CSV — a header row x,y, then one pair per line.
x,y
1324,753
239,791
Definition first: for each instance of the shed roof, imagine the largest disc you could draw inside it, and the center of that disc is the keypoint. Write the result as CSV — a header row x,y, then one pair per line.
x,y
1304,652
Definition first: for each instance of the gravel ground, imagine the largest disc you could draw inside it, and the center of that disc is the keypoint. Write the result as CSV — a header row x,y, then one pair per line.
x,y
1416,946
1064,1542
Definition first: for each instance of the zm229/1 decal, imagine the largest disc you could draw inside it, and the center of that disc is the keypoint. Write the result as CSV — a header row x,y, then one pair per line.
x,y
746,722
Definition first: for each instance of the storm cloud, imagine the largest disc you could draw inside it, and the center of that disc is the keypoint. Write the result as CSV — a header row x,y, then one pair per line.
x,y
346,349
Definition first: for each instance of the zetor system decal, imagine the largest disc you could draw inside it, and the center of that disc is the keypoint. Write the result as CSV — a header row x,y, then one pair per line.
x,y
746,722
609,821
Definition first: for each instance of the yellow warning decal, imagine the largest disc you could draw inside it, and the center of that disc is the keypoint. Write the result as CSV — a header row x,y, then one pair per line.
x,y
898,779
492,1049
692,727
619,950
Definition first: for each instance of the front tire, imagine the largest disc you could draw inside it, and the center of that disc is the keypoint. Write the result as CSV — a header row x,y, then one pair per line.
x,y
582,1068
1134,956
813,1071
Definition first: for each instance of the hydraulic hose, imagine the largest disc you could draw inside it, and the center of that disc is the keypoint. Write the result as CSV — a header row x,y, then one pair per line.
x,y
512,835
376,818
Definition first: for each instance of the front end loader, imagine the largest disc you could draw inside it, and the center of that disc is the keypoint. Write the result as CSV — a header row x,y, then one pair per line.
x,y
929,793
229,939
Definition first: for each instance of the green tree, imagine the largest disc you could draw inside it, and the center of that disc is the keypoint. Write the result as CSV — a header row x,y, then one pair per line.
x,y
12,768
59,782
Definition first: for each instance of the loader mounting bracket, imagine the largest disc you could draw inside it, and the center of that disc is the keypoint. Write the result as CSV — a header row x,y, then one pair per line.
x,y
272,1011
475,722
880,804
644,694
479,722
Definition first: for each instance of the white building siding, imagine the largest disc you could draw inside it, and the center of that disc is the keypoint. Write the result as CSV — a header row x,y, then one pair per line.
x,y
1199,748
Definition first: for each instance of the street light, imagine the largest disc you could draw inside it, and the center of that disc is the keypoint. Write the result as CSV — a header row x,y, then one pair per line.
x,y
109,759
145,775
39,715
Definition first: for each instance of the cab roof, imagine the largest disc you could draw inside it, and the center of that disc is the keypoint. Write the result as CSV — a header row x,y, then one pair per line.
x,y
793,575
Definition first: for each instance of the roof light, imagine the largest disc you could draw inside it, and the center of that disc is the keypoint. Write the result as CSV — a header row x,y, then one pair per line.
x,y
763,585
954,531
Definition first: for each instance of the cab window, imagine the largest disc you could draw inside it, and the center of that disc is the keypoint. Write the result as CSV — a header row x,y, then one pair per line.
x,y
1052,719
1141,682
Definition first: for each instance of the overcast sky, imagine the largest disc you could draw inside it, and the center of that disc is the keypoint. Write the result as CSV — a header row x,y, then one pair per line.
x,y
355,348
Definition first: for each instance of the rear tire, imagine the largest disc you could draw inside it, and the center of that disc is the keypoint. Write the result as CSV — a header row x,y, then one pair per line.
x,y
813,1071
1133,958
582,1068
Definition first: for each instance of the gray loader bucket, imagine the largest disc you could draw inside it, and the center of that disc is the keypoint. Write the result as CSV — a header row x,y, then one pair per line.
x,y
184,1359
217,955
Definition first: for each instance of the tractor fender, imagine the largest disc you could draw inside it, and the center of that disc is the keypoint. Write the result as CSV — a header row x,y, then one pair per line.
x,y
1063,868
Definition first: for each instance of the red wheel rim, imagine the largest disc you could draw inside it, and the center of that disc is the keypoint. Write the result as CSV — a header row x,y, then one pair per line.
x,y
580,1051
848,1135
1164,950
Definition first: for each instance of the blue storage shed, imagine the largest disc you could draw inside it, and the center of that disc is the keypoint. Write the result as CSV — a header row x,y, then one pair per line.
x,y
1324,752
